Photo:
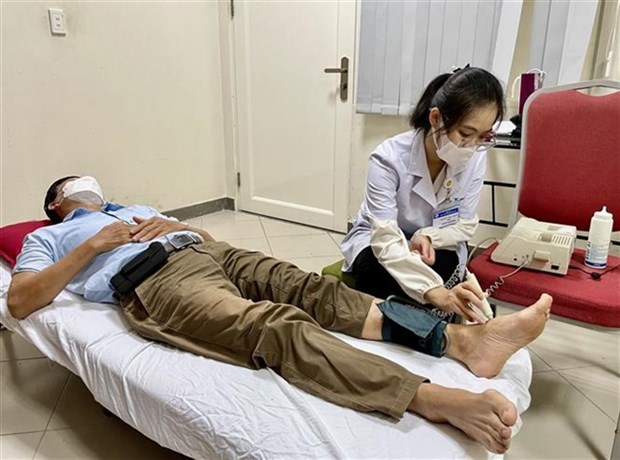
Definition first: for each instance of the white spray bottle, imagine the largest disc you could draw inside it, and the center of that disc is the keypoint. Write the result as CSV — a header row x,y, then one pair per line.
x,y
599,238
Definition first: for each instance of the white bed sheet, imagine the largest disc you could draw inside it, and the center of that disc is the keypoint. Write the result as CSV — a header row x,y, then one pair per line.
x,y
207,409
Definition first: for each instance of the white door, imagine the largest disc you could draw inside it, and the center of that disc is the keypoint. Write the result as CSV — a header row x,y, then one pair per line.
x,y
294,131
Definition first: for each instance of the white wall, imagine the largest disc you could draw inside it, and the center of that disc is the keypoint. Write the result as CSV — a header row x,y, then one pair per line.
x,y
367,133
131,95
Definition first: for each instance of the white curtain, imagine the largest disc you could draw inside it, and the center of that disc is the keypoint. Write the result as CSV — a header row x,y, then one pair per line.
x,y
405,44
560,37
607,58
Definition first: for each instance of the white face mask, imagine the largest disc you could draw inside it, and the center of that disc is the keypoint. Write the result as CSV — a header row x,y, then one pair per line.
x,y
455,157
85,190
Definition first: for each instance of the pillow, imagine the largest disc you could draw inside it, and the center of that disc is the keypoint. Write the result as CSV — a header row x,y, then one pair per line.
x,y
12,237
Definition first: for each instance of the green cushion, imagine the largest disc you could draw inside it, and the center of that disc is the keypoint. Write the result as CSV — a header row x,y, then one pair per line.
x,y
335,269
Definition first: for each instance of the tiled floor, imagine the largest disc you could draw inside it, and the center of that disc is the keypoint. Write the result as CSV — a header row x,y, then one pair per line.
x,y
47,413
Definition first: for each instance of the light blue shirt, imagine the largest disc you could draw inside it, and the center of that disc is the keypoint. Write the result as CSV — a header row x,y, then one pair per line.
x,y
46,246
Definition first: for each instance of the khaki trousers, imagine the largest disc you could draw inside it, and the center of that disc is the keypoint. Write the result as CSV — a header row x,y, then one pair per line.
x,y
245,308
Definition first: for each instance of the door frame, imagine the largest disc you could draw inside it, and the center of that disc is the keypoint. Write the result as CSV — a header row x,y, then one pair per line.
x,y
344,117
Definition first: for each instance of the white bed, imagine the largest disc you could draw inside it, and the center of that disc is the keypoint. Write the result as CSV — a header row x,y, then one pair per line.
x,y
207,409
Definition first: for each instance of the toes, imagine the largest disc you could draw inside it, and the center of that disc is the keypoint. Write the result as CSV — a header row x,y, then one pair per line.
x,y
508,415
506,433
544,302
500,432
506,410
495,446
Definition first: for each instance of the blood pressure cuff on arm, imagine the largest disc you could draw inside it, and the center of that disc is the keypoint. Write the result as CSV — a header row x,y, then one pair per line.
x,y
411,326
139,268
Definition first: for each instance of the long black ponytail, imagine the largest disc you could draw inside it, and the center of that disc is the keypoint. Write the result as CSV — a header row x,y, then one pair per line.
x,y
456,95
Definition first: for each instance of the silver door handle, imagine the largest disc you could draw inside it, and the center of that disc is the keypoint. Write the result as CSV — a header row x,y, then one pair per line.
x,y
343,70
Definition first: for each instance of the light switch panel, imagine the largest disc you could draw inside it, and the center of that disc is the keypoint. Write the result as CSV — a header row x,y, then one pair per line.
x,y
58,25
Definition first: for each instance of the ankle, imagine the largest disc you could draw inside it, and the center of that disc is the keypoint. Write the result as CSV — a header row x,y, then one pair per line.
x,y
461,340
427,402
373,322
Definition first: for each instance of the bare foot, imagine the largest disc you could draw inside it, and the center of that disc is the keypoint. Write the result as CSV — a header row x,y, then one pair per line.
x,y
485,417
486,348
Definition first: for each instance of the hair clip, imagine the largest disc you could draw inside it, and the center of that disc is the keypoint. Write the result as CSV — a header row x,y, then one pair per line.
x,y
456,69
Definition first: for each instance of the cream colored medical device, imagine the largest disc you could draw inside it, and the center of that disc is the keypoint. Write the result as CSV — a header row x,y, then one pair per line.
x,y
538,246
487,311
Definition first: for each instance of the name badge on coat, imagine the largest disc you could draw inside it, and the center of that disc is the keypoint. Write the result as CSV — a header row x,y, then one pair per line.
x,y
448,215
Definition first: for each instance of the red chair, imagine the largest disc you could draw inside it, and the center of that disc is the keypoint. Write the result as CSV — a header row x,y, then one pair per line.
x,y
569,168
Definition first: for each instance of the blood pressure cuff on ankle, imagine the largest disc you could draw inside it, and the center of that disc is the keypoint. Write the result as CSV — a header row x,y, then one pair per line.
x,y
412,327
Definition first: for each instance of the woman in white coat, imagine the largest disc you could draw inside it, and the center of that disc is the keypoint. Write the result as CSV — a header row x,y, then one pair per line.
x,y
423,188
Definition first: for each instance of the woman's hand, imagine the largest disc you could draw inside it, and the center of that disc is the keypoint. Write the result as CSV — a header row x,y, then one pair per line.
x,y
458,300
154,227
422,245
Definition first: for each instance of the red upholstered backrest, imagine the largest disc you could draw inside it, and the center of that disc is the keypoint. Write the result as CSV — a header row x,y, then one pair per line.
x,y
572,158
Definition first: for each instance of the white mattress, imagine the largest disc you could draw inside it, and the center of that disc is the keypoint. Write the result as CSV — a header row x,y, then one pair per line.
x,y
207,409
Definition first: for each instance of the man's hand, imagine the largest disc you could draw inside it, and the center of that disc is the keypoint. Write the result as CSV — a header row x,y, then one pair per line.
x,y
154,227
111,236
422,245
30,291
457,300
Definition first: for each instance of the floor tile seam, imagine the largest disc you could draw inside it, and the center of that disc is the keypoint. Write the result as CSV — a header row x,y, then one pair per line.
x,y
580,367
236,242
252,218
333,239
21,359
76,427
337,248
288,257
260,219
251,215
62,393
310,257
36,449
585,396
64,388
226,224
562,368
22,432
539,357
295,234
315,231
290,222
299,236
546,371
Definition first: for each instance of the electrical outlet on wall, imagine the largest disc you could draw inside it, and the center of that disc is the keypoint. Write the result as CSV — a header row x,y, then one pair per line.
x,y
58,25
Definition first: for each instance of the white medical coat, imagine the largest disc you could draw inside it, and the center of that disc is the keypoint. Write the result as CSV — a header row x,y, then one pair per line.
x,y
399,188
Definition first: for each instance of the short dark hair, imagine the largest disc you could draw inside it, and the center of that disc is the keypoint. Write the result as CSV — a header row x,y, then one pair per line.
x,y
456,95
51,195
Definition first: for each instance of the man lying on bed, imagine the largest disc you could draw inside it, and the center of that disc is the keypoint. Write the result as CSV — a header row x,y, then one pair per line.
x,y
248,309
